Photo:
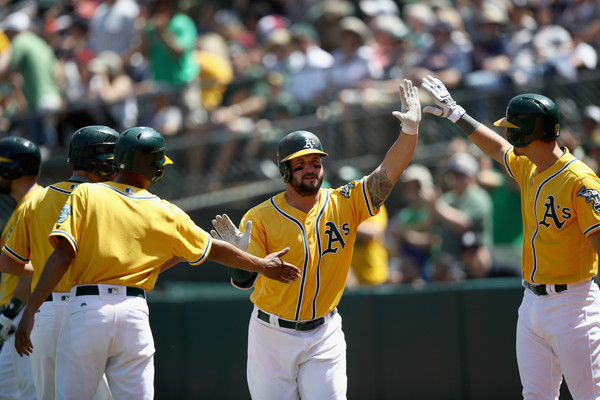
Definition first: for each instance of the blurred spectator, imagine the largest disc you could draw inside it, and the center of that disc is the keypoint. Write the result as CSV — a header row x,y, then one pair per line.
x,y
466,206
353,58
165,117
419,18
447,58
491,60
370,262
115,27
558,55
170,46
215,69
308,68
114,89
325,16
409,228
34,60
479,263
590,122
445,268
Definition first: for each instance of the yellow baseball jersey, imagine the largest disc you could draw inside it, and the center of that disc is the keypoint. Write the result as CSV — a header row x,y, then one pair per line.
x,y
29,238
9,282
122,235
560,208
370,261
320,242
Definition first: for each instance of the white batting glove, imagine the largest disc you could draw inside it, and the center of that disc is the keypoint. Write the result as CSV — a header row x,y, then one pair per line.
x,y
226,230
410,111
445,105
6,327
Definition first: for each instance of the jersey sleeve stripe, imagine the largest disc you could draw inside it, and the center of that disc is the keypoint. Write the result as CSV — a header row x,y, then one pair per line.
x,y
592,229
59,190
14,255
366,196
506,163
204,254
66,236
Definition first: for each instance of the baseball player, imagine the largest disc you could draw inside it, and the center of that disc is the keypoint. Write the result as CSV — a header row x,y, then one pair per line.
x,y
111,240
296,346
90,153
558,329
20,163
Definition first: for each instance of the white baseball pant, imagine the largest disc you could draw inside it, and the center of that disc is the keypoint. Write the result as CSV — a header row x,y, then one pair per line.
x,y
287,364
44,337
559,334
16,380
105,333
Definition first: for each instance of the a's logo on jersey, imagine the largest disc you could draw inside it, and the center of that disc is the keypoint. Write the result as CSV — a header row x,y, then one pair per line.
x,y
551,213
64,214
345,190
591,196
309,143
335,236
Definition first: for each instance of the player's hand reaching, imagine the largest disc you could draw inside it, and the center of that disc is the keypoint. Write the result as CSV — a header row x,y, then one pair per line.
x,y
445,105
226,230
410,111
278,269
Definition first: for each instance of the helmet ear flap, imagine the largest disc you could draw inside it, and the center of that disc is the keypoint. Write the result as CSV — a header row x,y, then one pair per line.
x,y
285,172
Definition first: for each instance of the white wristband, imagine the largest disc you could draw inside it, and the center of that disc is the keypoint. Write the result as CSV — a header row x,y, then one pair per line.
x,y
456,114
410,130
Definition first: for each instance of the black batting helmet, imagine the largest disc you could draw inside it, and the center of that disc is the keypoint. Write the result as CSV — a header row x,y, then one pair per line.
x,y
142,150
92,148
19,157
296,144
530,117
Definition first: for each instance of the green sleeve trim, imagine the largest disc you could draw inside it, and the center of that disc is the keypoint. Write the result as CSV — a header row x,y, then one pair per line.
x,y
468,124
242,278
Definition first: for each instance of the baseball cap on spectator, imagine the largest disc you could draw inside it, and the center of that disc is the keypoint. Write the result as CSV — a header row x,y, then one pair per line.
x,y
492,14
419,173
392,25
378,7
357,26
463,163
269,23
16,22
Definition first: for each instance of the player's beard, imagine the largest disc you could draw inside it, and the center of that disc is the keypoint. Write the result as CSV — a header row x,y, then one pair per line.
x,y
305,189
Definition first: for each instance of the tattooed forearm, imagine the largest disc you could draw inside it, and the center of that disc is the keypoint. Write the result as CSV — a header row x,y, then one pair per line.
x,y
379,187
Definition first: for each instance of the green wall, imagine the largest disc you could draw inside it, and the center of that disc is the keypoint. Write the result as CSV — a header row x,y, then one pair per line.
x,y
439,342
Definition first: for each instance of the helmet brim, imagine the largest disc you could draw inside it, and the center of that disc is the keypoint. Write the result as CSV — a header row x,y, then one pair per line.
x,y
166,161
504,123
303,153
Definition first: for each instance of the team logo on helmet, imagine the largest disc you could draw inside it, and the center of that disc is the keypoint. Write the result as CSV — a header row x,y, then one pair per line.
x,y
591,196
64,214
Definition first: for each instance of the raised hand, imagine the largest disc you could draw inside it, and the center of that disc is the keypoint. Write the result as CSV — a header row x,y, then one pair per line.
x,y
226,230
445,105
410,110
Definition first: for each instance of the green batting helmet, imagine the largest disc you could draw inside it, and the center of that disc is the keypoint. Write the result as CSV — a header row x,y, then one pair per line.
x,y
294,145
19,157
530,117
92,148
142,150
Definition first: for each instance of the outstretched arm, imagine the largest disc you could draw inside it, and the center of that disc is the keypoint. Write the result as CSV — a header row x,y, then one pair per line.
x,y
381,181
486,139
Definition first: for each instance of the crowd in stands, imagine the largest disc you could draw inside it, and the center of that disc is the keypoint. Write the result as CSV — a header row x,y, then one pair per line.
x,y
241,66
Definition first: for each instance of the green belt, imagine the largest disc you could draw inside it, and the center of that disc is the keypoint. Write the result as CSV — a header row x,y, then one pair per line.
x,y
540,290
91,290
299,326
